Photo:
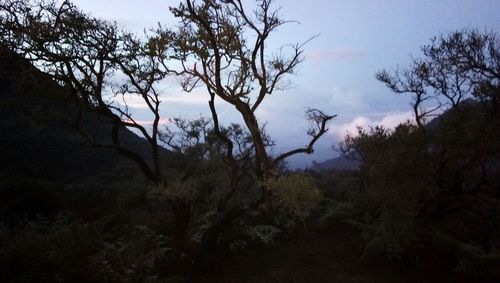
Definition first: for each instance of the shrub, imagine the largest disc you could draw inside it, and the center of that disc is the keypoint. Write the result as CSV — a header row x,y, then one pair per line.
x,y
297,194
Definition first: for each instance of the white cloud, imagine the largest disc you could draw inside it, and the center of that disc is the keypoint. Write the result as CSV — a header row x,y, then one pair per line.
x,y
163,121
388,121
136,101
392,120
132,101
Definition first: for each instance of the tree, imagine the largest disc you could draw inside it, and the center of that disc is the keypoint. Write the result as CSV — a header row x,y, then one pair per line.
x,y
418,183
223,47
454,67
97,63
87,56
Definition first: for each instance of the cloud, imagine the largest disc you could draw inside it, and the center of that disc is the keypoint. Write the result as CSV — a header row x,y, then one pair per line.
x,y
131,101
135,101
388,121
163,121
332,54
392,120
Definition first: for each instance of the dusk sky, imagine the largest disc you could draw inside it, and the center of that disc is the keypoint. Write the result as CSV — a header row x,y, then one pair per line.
x,y
355,39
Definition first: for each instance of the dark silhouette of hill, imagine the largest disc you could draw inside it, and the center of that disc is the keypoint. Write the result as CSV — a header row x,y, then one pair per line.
x,y
338,163
38,138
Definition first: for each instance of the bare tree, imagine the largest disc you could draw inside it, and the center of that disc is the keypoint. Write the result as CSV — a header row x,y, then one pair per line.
x,y
218,44
98,64
454,67
413,81
223,47
85,55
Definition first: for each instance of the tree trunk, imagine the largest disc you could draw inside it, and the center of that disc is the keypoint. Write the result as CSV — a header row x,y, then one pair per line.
x,y
263,162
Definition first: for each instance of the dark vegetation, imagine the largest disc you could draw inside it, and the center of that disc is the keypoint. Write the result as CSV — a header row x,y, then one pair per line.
x,y
84,199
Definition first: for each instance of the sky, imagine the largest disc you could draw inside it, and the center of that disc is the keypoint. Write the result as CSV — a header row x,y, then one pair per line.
x,y
354,39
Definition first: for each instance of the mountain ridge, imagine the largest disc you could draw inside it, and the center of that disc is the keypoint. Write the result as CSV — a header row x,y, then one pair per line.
x,y
39,140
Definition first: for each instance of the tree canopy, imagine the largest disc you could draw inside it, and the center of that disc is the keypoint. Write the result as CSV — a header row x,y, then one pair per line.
x,y
223,46
218,44
454,67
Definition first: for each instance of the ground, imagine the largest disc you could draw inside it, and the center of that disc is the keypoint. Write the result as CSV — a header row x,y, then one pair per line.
x,y
332,255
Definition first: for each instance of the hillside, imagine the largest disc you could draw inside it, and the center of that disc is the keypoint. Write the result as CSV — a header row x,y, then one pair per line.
x,y
39,140
337,163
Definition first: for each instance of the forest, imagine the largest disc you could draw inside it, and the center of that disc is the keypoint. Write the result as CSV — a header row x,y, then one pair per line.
x,y
90,193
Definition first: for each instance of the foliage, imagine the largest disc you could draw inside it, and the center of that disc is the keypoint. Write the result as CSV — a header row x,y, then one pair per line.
x,y
412,174
297,194
393,166
89,57
183,191
419,185
91,233
454,67
389,235
223,47
217,173
266,234
471,259
432,177
46,250
133,257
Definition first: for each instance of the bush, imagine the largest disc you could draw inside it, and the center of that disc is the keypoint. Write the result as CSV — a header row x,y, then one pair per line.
x,y
297,194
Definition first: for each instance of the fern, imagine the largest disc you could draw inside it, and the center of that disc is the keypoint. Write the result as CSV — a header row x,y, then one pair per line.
x,y
265,234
